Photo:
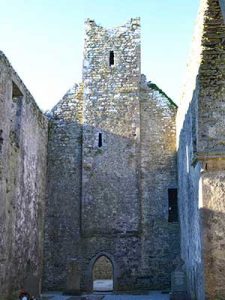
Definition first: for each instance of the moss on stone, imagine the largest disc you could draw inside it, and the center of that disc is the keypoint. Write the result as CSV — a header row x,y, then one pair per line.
x,y
155,87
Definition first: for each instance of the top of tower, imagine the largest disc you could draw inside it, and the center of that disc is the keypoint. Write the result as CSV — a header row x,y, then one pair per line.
x,y
132,23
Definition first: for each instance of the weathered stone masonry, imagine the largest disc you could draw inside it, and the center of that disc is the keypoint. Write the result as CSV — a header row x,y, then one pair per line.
x,y
113,141
23,144
201,158
111,159
62,217
110,150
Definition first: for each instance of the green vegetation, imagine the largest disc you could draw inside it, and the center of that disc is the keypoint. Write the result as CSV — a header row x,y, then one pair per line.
x,y
155,87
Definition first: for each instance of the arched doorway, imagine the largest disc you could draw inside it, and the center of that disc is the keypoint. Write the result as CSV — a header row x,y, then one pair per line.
x,y
102,274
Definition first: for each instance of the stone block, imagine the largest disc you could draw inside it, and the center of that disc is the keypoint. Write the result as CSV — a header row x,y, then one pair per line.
x,y
178,281
32,284
73,278
178,285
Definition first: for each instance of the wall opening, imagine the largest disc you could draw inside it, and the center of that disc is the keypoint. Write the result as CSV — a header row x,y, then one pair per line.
x,y
102,275
111,58
16,92
17,100
173,205
1,140
100,140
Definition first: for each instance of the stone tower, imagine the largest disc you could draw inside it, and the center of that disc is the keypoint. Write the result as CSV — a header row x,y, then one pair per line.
x,y
108,195
111,131
111,164
110,206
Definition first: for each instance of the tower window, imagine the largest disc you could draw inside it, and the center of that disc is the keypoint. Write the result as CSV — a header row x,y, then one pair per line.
x,y
111,58
100,140
173,205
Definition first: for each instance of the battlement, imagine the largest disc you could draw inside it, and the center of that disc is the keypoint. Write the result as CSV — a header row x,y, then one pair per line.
x,y
129,24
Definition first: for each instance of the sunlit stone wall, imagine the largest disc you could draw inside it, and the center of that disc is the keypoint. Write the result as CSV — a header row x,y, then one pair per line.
x,y
23,153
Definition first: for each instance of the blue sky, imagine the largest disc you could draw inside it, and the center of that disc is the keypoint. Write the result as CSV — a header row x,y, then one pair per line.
x,y
43,39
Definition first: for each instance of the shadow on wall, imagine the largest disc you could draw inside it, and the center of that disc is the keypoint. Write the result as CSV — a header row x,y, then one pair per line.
x,y
103,213
189,172
102,209
23,153
202,229
213,223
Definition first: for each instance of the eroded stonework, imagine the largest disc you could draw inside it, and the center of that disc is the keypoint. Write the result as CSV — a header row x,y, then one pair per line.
x,y
103,172
111,161
23,159
201,153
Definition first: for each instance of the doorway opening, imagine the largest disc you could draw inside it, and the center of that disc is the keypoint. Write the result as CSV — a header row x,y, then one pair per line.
x,y
102,274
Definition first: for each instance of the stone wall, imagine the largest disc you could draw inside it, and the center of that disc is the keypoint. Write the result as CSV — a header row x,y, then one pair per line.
x,y
200,124
213,188
211,105
189,168
189,190
62,217
111,109
158,173
110,198
111,161
23,145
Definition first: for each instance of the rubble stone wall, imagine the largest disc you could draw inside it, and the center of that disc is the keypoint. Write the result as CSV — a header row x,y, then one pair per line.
x,y
160,242
211,104
110,191
23,148
189,168
111,161
62,216
111,109
200,141
213,212
189,184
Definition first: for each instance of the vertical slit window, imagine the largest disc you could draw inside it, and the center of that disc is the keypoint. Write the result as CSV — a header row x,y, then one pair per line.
x,y
1,140
17,99
111,58
173,205
100,140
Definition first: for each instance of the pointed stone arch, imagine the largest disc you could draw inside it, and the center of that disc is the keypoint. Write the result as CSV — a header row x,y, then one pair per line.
x,y
114,268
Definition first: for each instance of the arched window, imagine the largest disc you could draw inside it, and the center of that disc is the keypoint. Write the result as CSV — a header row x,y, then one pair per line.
x,y
102,274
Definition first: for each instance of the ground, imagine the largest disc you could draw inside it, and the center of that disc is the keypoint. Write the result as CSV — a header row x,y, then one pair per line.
x,y
105,285
98,296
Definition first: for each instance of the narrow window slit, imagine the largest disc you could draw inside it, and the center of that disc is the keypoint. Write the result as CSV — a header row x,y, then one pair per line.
x,y
1,140
17,98
111,58
173,205
100,140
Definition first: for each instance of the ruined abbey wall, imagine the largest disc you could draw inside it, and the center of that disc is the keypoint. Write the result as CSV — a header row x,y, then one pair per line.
x,y
111,109
111,161
211,148
189,190
62,216
23,144
105,161
189,170
110,198
158,174
201,157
